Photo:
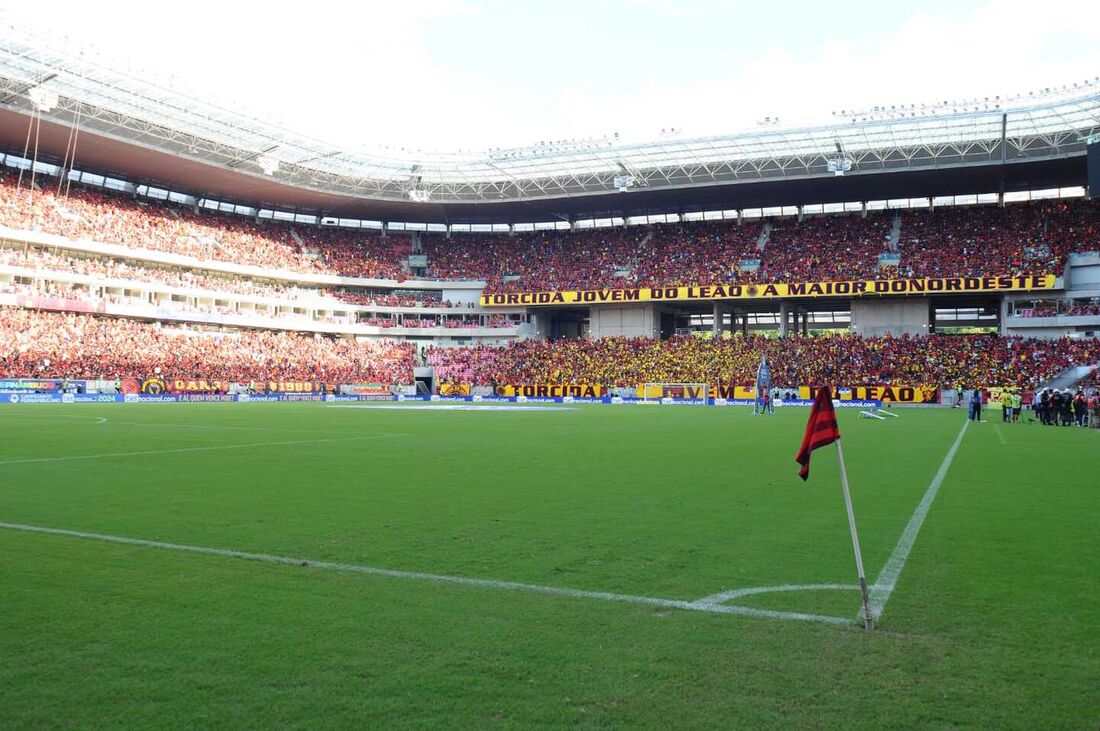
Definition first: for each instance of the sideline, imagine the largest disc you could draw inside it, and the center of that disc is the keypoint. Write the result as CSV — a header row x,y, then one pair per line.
x,y
887,579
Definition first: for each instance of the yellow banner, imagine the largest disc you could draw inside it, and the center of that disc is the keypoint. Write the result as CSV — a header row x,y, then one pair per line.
x,y
996,397
694,391
864,288
556,390
888,394
454,389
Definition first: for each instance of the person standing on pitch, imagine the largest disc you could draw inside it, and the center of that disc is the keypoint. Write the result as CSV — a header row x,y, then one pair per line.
x,y
1080,408
976,405
1067,408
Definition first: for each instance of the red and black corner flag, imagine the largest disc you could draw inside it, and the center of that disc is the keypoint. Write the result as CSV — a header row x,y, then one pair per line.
x,y
820,430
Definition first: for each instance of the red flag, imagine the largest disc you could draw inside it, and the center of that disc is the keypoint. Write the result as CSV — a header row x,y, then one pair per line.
x,y
820,430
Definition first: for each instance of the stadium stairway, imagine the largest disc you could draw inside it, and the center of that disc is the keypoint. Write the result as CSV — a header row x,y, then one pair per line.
x,y
1070,377
765,234
895,234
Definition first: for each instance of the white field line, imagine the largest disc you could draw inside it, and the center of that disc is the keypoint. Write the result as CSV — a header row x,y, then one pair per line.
x,y
700,606
727,596
51,417
1000,434
165,425
888,578
216,427
213,448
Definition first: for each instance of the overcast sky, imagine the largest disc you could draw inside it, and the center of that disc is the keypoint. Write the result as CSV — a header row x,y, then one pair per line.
x,y
473,74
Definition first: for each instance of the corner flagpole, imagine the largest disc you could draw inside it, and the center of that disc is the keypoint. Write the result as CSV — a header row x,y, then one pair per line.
x,y
868,617
821,429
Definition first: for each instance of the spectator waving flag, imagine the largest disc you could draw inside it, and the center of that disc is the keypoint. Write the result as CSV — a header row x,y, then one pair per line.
x,y
820,430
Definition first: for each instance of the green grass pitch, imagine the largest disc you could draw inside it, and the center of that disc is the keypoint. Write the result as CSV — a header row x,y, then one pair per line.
x,y
993,623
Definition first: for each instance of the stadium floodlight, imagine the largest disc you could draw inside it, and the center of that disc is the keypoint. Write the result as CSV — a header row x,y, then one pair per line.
x,y
269,165
623,183
43,99
419,195
839,165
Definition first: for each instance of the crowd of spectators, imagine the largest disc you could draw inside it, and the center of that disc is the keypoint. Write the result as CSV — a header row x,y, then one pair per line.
x,y
827,248
941,243
83,299
39,343
416,322
1091,381
104,216
108,268
91,297
698,252
41,260
663,254
449,323
934,360
112,218
392,300
1062,308
1071,226
538,260
1019,238
359,253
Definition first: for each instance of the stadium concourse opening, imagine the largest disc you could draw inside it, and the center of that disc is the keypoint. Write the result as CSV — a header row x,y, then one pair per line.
x,y
568,322
869,317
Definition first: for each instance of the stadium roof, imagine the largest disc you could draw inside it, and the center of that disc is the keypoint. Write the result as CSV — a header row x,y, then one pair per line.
x,y
144,130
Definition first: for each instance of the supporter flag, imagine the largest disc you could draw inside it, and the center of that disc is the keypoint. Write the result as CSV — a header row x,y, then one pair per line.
x,y
763,386
820,430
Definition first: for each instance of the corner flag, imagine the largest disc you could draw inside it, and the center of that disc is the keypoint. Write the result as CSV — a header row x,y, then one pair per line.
x,y
820,430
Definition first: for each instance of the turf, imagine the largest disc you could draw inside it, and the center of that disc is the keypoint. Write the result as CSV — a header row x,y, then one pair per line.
x,y
993,623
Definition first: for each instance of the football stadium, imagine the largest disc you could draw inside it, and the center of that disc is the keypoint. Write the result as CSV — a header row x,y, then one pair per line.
x,y
297,434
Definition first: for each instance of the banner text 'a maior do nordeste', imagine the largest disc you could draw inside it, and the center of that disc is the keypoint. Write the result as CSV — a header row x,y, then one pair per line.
x,y
863,288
